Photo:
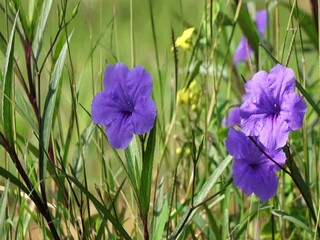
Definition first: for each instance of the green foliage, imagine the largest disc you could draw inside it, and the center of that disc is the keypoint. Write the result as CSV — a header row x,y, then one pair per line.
x,y
7,87
59,176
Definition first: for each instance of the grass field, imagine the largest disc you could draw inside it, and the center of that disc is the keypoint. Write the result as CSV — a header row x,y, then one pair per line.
x,y
159,119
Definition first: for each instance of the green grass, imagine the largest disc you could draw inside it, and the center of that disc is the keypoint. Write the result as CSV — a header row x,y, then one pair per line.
x,y
60,178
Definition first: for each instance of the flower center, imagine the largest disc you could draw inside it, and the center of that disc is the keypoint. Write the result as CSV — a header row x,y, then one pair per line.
x,y
276,109
254,165
129,107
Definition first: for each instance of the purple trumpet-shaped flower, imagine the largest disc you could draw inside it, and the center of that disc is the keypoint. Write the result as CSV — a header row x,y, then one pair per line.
x,y
253,171
243,50
271,108
124,106
232,118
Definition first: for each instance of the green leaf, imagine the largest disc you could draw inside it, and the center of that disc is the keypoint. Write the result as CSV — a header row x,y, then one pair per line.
x,y
3,208
133,165
146,175
213,178
7,87
293,219
85,139
101,209
52,93
160,214
248,28
299,181
24,109
306,23
22,22
3,44
7,175
202,194
42,22
307,96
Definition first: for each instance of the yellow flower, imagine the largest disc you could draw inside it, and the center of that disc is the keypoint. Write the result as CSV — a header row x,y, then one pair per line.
x,y
183,40
188,152
179,151
183,96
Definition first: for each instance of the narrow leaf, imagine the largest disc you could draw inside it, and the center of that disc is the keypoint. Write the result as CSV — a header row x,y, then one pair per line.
x,y
207,186
7,86
248,28
146,175
14,180
52,93
102,209
160,214
201,195
293,219
3,208
42,22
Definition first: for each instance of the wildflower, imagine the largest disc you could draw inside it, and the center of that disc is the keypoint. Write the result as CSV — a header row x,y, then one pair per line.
x,y
271,108
178,151
183,40
124,106
244,50
253,171
183,96
189,96
188,152
233,118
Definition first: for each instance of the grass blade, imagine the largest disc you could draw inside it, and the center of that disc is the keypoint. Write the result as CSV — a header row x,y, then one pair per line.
x,y
102,209
7,87
201,195
293,219
3,208
52,93
42,22
146,175
8,175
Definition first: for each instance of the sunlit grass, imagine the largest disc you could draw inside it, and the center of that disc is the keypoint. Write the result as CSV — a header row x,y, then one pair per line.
x,y
60,177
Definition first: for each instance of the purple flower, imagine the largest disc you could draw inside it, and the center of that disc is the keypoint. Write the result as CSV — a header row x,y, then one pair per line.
x,y
253,172
233,118
271,108
124,106
244,51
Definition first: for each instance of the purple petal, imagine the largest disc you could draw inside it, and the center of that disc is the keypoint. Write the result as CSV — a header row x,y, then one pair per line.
x,y
242,176
281,80
234,143
243,51
120,130
261,110
262,21
278,156
256,104
293,109
266,183
260,180
274,133
101,111
257,84
139,83
115,74
253,124
232,118
143,115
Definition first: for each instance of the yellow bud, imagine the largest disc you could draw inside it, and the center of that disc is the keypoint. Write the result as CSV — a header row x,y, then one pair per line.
x,y
194,107
179,151
193,84
188,152
183,96
182,41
